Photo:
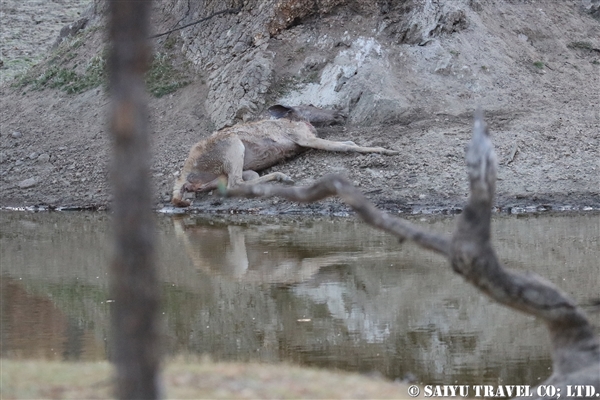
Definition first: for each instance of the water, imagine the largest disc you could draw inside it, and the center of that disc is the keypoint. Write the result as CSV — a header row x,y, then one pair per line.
x,y
330,293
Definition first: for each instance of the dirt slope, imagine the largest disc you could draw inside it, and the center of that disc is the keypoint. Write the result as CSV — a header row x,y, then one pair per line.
x,y
533,65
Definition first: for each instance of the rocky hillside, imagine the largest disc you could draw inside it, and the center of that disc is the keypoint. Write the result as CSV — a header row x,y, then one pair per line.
x,y
407,73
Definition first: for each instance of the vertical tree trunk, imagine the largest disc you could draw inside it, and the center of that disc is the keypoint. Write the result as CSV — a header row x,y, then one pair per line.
x,y
134,284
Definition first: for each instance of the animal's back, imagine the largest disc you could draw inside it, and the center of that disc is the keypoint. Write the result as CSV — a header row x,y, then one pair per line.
x,y
266,142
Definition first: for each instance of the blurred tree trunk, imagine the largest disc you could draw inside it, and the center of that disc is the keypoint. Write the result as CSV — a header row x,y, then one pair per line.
x,y
134,284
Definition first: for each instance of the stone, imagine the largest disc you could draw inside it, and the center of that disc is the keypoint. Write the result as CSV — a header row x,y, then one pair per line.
x,y
592,7
16,134
70,30
43,158
27,183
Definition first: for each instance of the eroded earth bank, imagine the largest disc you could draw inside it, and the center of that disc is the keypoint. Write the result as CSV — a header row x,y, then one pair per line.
x,y
407,74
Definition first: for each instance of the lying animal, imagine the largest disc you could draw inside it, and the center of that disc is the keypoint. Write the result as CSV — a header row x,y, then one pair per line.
x,y
241,150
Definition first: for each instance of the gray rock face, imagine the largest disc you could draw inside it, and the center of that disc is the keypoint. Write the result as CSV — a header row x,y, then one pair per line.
x,y
231,48
592,7
236,52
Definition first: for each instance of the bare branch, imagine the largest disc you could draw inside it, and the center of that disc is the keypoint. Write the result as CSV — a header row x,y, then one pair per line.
x,y
226,11
332,185
472,255
576,349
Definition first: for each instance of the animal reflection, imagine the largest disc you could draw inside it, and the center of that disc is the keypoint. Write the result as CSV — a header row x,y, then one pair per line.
x,y
249,255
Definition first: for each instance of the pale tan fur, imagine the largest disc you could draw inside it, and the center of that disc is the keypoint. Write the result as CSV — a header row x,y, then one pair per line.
x,y
237,152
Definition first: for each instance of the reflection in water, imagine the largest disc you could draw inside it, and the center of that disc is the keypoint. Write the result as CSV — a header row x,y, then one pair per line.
x,y
252,254
321,292
33,327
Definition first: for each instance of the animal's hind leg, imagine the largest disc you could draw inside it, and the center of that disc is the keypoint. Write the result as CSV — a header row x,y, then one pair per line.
x,y
233,164
323,144
273,176
250,175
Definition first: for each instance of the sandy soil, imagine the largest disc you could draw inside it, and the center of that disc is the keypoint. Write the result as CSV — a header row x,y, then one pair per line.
x,y
55,148
195,380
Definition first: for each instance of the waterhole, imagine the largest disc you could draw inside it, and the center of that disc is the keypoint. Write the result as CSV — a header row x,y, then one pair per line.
x,y
328,293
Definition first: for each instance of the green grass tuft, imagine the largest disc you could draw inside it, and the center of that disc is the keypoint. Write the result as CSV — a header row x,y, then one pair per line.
x,y
163,78
580,45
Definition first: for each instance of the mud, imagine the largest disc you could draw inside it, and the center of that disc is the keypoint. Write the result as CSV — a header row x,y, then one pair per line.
x,y
545,123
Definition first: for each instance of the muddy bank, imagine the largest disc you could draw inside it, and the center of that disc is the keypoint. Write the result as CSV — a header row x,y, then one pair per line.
x,y
533,67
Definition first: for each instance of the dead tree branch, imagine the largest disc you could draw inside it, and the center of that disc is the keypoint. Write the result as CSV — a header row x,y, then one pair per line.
x,y
227,11
576,349
334,185
134,283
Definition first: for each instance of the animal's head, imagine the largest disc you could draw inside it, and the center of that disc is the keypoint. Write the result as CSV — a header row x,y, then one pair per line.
x,y
316,116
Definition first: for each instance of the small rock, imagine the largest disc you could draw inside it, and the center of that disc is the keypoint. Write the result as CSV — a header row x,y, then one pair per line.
x,y
27,183
44,158
33,156
16,134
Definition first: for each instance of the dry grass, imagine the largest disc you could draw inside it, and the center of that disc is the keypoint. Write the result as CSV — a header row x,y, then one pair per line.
x,y
193,380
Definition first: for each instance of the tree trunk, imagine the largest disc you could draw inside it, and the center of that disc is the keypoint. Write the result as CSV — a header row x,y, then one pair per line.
x,y
134,284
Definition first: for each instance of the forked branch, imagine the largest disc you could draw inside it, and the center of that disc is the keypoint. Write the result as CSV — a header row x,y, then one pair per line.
x,y
576,349
334,185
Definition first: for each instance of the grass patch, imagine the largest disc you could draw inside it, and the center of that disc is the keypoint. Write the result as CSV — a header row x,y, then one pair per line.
x,y
288,84
170,42
67,69
281,88
539,64
580,45
65,78
162,77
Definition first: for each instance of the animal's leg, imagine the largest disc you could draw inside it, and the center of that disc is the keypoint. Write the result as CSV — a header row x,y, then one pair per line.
x,y
323,144
250,175
273,176
177,199
214,184
233,164
180,186
201,187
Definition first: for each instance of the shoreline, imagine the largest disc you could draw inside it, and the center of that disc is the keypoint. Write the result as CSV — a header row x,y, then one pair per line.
x,y
330,208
